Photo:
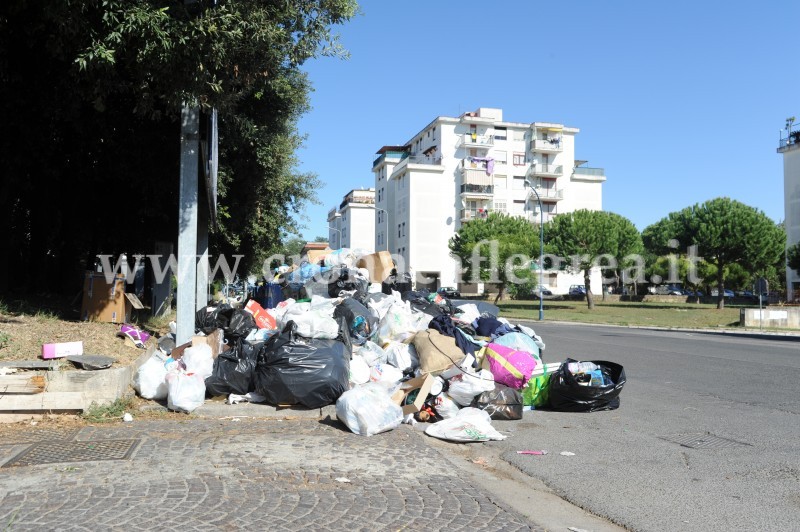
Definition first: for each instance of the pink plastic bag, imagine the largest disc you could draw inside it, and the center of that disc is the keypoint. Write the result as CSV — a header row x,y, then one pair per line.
x,y
509,366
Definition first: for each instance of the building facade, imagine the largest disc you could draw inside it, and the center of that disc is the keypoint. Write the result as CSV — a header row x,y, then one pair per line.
x,y
789,146
352,224
457,169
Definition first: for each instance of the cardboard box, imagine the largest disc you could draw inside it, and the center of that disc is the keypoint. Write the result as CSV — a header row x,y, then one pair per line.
x,y
316,255
60,350
215,340
379,265
103,301
263,319
423,384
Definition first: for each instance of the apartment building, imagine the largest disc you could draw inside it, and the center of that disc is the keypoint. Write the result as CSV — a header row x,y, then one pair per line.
x,y
352,224
457,169
789,146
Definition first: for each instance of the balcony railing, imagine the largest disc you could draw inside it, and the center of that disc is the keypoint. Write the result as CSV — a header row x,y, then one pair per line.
x,y
548,193
546,170
550,145
584,170
477,189
424,159
474,214
390,154
792,139
357,199
476,141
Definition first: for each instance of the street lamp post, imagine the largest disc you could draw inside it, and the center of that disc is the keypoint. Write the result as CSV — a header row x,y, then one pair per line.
x,y
541,248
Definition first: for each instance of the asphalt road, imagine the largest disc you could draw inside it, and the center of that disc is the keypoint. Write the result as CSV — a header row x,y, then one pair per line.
x,y
733,399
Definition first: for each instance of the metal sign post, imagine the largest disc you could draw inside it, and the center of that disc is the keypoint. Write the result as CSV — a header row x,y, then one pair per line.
x,y
762,286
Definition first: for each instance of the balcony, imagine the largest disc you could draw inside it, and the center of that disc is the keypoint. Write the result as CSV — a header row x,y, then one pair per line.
x,y
792,140
475,141
547,194
474,214
468,190
584,173
546,170
389,155
533,216
548,145
424,159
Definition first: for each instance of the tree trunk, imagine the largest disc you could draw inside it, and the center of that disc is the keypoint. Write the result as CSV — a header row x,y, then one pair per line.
x,y
588,284
720,288
499,294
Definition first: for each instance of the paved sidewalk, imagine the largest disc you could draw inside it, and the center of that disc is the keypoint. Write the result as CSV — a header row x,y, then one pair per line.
x,y
236,474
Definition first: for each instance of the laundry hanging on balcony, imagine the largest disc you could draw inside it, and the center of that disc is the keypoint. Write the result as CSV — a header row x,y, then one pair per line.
x,y
488,163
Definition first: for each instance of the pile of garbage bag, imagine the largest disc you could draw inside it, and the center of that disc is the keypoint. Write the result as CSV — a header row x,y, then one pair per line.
x,y
332,334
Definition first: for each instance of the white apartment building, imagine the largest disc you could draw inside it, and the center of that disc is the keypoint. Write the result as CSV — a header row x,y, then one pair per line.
x,y
352,224
459,168
790,148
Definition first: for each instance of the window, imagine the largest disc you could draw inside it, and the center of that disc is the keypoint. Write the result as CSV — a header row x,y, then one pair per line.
x,y
398,232
519,182
519,207
500,182
519,135
499,206
500,157
404,229
500,133
519,159
434,133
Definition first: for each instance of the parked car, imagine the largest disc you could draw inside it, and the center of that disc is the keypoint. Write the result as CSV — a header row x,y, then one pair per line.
x,y
541,292
577,291
728,293
448,292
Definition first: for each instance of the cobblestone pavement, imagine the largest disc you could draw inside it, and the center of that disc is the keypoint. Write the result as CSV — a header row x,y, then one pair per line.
x,y
236,475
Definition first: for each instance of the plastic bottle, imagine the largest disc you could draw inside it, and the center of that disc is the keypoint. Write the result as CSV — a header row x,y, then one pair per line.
x,y
581,367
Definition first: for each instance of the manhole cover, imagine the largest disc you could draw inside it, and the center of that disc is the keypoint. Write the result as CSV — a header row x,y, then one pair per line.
x,y
32,435
53,452
703,441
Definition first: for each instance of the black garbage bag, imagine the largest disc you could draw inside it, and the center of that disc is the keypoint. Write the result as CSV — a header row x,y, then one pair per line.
x,y
361,323
234,370
344,279
501,403
209,319
240,325
307,371
567,395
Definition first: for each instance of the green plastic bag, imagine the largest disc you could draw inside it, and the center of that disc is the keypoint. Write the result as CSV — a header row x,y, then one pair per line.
x,y
537,391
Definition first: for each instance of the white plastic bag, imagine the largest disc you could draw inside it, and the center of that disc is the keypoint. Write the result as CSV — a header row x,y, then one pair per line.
x,y
400,355
385,373
359,371
398,324
471,424
372,353
150,379
368,409
186,391
464,386
313,320
198,359
445,406
469,313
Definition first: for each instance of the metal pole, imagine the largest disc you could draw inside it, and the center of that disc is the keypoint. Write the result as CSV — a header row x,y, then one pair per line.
x,y
188,215
541,254
541,249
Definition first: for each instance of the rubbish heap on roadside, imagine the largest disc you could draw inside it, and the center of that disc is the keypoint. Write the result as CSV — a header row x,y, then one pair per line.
x,y
343,328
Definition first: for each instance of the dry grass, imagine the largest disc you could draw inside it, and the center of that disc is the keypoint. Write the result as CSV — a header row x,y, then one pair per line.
x,y
25,327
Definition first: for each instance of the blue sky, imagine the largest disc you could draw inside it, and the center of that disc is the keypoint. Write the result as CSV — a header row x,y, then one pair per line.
x,y
679,101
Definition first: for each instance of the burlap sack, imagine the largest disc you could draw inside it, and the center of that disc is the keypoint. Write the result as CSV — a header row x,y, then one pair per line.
x,y
436,351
